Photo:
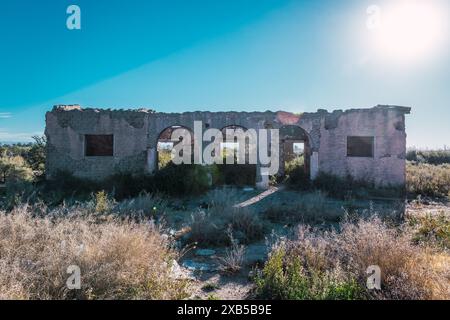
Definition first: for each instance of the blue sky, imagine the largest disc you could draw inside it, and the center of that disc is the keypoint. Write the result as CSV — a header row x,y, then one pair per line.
x,y
176,56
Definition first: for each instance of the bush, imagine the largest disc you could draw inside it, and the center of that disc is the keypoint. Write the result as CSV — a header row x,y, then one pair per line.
x,y
428,180
234,256
328,265
183,179
118,259
307,208
102,203
17,177
32,153
164,157
64,186
286,279
145,205
126,185
435,157
347,187
176,180
15,169
431,228
235,174
211,226
296,176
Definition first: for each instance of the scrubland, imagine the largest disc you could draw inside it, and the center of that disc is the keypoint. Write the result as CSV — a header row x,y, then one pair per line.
x,y
132,236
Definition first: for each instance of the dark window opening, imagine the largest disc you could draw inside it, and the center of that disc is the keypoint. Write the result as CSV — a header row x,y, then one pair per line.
x,y
99,145
360,147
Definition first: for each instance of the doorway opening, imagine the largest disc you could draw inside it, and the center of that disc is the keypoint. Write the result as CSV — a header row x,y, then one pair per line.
x,y
165,145
295,155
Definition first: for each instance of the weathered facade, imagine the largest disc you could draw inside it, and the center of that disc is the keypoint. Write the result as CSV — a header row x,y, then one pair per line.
x,y
367,144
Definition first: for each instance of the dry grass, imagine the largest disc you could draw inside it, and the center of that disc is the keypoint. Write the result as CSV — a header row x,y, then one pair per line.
x,y
313,207
234,256
223,198
408,271
210,226
144,206
428,180
431,228
118,259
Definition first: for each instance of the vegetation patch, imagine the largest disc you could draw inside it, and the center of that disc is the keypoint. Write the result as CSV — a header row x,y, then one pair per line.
x,y
118,259
435,157
332,265
428,180
310,208
431,228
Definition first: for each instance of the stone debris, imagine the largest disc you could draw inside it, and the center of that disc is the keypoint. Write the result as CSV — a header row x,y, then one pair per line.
x,y
199,266
178,272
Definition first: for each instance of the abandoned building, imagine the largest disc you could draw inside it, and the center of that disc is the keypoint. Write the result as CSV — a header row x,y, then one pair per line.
x,y
367,144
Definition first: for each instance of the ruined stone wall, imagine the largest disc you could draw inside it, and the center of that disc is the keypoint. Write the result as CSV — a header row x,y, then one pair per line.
x,y
66,129
385,124
136,134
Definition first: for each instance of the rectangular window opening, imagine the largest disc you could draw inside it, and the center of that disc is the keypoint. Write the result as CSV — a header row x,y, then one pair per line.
x,y
360,146
99,145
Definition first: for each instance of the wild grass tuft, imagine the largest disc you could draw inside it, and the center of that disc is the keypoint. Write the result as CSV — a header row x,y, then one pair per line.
x,y
118,259
332,265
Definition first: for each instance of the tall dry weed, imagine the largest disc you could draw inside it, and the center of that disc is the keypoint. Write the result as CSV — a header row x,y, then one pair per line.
x,y
118,259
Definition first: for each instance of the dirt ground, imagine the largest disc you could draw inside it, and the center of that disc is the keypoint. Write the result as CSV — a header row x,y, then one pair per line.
x,y
201,265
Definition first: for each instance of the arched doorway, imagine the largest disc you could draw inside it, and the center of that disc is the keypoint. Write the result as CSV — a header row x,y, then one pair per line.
x,y
236,173
165,145
295,153
232,147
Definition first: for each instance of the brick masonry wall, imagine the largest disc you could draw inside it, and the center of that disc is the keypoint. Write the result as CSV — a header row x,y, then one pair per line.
x,y
66,130
136,133
387,167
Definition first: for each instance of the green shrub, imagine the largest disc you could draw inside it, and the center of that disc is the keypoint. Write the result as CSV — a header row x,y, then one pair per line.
x,y
235,174
18,179
432,228
126,185
102,202
347,187
296,176
308,208
179,180
176,180
164,157
212,226
434,157
319,264
428,180
32,153
284,278
14,169
341,187
145,205
65,185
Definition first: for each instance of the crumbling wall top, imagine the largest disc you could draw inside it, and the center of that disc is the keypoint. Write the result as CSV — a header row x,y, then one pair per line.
x,y
77,107
319,112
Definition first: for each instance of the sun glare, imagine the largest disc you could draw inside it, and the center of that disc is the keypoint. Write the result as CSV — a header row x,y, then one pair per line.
x,y
410,31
